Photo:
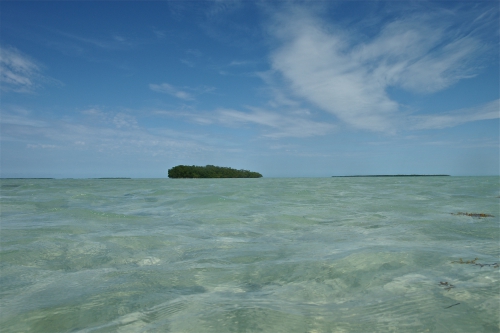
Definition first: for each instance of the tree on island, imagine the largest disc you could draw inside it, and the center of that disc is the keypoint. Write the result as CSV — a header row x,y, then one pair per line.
x,y
209,171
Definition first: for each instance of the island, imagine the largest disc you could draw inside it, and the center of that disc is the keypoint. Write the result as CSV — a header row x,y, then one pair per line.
x,y
112,178
393,176
209,171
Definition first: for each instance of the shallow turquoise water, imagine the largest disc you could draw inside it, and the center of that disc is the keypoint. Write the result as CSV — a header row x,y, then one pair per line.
x,y
249,255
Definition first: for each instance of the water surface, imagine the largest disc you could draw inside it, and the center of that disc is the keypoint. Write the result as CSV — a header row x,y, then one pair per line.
x,y
250,255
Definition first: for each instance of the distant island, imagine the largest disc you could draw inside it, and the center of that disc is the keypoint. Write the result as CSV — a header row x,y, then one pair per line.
x,y
112,178
396,176
209,171
25,178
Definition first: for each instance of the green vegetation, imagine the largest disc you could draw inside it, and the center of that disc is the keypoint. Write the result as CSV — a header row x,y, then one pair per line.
x,y
209,171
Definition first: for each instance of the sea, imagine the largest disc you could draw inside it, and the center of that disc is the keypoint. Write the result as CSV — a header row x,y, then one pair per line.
x,y
362,254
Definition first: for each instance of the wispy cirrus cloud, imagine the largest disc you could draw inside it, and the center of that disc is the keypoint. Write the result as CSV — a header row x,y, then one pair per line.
x,y
114,132
112,42
348,76
279,125
236,63
486,111
124,120
183,93
22,74
18,72
40,146
19,120
272,124
171,90
17,116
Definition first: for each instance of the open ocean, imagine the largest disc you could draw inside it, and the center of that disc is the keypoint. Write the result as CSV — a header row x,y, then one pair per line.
x,y
250,255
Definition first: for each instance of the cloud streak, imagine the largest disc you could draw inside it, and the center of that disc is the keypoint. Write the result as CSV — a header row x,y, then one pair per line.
x,y
113,43
117,132
170,90
272,123
18,72
281,125
348,76
486,111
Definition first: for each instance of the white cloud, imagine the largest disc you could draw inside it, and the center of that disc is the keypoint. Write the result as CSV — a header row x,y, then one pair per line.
x,y
17,71
120,39
293,123
348,77
40,146
17,120
94,112
219,7
16,116
487,111
419,54
240,63
124,120
188,63
111,43
281,125
118,133
171,90
181,93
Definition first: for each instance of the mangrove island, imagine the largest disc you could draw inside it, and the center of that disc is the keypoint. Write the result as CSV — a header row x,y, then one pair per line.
x,y
209,171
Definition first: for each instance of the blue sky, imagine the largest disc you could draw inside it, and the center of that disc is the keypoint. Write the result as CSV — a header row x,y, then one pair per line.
x,y
288,89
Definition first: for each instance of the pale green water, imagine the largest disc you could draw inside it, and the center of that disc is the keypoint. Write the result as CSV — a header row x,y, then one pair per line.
x,y
249,255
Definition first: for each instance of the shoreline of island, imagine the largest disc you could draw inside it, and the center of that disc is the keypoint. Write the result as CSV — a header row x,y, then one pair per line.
x,y
392,176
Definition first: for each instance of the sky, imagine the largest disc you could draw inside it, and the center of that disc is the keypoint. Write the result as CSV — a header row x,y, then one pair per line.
x,y
284,88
